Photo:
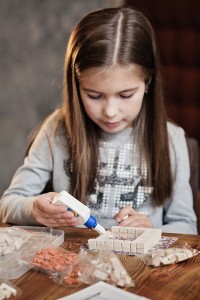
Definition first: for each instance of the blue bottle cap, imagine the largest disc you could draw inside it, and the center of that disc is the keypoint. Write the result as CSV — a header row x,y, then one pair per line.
x,y
91,222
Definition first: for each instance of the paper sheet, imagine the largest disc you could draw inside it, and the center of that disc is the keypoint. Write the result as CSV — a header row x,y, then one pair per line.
x,y
103,291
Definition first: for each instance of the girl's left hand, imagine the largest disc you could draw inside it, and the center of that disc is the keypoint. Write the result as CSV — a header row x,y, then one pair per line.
x,y
129,217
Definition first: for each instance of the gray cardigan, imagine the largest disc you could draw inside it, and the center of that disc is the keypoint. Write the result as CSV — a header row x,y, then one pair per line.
x,y
118,183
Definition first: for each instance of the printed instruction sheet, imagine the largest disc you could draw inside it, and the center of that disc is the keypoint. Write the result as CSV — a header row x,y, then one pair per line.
x,y
103,291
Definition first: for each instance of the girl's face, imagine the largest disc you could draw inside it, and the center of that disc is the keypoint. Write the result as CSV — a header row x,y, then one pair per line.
x,y
112,97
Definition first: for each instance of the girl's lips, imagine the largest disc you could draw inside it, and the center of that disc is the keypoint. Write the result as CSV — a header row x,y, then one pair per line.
x,y
111,125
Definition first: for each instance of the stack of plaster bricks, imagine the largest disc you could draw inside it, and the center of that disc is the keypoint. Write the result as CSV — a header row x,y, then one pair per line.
x,y
126,239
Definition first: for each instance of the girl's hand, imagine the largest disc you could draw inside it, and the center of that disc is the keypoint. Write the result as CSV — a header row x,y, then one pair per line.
x,y
52,215
129,217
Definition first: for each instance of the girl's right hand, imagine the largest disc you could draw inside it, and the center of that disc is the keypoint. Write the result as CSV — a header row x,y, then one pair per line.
x,y
52,215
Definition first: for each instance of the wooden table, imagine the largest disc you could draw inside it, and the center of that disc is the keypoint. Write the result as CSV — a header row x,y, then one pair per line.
x,y
172,282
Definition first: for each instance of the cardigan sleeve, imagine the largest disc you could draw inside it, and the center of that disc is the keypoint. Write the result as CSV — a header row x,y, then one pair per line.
x,y
179,215
28,181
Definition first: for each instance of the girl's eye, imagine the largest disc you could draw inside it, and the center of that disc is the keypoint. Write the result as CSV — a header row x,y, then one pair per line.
x,y
126,96
94,97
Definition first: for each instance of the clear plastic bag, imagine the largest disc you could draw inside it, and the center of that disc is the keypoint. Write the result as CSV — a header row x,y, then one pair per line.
x,y
93,267
70,277
54,259
163,257
102,266
21,244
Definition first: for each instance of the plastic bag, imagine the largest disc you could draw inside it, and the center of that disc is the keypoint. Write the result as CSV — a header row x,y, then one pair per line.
x,y
54,259
19,244
162,257
70,277
102,266
11,240
94,267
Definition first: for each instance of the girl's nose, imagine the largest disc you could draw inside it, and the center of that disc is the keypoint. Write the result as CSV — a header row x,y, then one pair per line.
x,y
110,110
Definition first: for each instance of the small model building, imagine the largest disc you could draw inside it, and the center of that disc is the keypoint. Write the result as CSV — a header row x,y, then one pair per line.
x,y
126,239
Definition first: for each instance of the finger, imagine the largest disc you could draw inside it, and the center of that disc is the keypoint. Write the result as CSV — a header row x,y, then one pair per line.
x,y
45,207
50,196
124,212
137,221
57,222
67,215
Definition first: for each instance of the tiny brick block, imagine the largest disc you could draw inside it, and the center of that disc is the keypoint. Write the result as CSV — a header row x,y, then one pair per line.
x,y
141,243
117,245
158,253
123,229
133,247
8,290
165,261
156,261
131,233
139,231
123,232
121,283
140,250
100,244
100,275
188,253
172,258
181,256
115,229
123,235
168,251
126,246
92,244
108,244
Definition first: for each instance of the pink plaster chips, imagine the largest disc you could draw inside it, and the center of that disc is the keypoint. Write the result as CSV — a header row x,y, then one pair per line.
x,y
54,259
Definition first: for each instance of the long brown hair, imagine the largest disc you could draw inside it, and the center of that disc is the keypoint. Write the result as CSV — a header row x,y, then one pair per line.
x,y
104,38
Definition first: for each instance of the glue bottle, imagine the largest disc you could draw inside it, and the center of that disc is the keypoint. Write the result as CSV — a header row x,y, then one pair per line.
x,y
80,211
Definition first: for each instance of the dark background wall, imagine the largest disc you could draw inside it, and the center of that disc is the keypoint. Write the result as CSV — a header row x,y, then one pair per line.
x,y
177,28
33,38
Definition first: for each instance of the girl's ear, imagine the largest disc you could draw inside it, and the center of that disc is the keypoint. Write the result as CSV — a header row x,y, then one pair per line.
x,y
148,83
147,86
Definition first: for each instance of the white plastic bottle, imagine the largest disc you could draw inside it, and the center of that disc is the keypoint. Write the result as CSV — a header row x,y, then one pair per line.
x,y
80,211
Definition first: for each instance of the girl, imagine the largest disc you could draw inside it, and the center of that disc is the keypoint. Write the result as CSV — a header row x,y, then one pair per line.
x,y
110,144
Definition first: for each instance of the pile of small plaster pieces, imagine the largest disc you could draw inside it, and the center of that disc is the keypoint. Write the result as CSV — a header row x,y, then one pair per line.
x,y
55,259
118,276
9,244
7,291
169,256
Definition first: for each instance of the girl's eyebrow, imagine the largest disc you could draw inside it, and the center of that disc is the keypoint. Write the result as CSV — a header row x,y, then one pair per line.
x,y
90,90
123,91
128,90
